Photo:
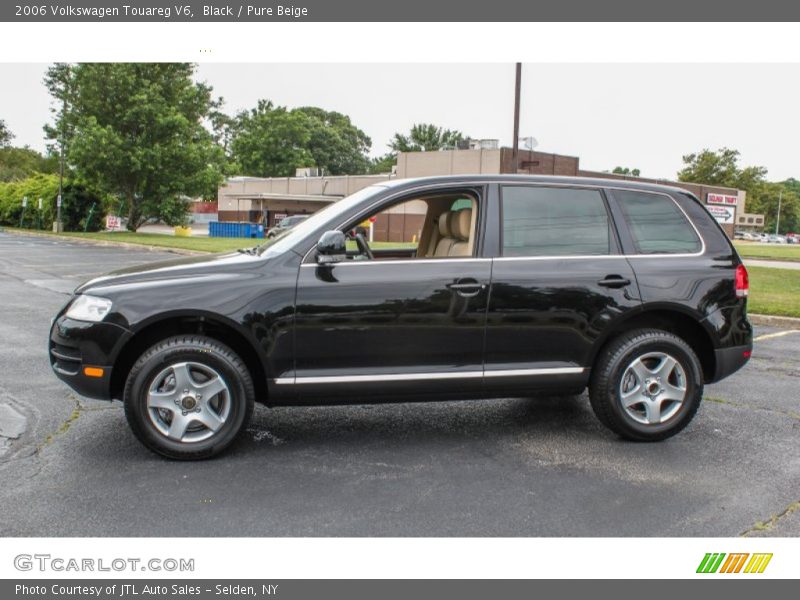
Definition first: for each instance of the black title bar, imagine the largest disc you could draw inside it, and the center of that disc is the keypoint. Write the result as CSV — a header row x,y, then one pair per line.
x,y
401,10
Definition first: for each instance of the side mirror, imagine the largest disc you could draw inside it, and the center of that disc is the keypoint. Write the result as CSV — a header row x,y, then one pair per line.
x,y
331,247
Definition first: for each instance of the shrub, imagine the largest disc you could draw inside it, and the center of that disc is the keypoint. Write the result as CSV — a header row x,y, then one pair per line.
x,y
77,201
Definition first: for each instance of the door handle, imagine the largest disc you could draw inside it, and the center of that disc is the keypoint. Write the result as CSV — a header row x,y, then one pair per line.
x,y
614,281
466,288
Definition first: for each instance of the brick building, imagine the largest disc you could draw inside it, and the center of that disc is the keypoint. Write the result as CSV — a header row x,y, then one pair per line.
x,y
269,200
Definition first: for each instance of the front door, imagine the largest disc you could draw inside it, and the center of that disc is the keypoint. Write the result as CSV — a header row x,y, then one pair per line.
x,y
394,324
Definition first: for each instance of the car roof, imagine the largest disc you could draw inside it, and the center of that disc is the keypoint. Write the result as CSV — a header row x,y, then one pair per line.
x,y
555,179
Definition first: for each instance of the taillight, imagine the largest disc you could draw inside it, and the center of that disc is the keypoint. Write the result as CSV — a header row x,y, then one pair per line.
x,y
742,282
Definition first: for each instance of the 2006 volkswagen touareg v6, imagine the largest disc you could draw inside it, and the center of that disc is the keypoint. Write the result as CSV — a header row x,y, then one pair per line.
x,y
511,285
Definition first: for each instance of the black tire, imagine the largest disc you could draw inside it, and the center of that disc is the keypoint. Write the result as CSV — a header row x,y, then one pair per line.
x,y
202,353
605,391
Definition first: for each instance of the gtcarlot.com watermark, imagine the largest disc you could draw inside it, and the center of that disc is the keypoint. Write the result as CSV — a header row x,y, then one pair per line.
x,y
46,563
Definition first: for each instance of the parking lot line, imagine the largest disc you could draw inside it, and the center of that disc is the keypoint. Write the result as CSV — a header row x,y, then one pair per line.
x,y
767,336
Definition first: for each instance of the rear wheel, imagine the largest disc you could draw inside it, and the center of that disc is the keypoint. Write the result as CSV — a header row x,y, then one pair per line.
x,y
646,385
188,397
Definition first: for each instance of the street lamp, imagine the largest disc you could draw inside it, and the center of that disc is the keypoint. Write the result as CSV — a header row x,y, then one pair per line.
x,y
515,146
778,220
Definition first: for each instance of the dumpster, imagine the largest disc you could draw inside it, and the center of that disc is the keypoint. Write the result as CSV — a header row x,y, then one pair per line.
x,y
235,230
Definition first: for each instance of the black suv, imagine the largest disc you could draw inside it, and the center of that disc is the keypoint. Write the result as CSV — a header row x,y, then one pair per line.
x,y
479,287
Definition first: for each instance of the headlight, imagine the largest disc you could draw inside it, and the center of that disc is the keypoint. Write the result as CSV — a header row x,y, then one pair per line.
x,y
89,308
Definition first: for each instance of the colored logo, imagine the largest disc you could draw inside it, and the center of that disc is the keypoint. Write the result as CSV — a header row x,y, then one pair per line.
x,y
734,563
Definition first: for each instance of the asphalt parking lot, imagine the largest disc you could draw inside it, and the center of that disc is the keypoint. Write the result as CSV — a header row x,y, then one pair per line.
x,y
515,467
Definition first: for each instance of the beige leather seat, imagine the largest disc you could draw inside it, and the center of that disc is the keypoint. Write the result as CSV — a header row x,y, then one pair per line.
x,y
460,226
446,238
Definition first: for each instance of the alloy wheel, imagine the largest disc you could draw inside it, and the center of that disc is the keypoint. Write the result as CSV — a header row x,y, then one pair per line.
x,y
188,402
653,388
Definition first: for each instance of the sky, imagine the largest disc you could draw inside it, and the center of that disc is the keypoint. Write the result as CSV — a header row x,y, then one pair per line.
x,y
644,116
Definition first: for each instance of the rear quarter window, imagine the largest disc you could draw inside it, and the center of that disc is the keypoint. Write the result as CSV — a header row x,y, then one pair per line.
x,y
656,223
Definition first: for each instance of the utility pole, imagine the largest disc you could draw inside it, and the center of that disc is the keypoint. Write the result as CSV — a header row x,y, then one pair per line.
x,y
58,228
515,147
778,220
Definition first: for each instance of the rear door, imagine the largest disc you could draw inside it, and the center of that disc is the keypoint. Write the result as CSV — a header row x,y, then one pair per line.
x,y
558,283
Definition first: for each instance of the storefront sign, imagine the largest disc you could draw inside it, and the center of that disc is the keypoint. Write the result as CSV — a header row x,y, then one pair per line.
x,y
723,214
722,199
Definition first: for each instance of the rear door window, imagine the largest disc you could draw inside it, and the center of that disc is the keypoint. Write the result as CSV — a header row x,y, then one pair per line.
x,y
542,221
657,224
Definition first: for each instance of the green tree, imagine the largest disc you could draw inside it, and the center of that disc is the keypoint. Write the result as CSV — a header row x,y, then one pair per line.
x,y
222,130
790,212
273,141
336,145
382,164
270,141
770,196
721,168
626,171
5,134
425,137
136,130
76,208
793,185
20,163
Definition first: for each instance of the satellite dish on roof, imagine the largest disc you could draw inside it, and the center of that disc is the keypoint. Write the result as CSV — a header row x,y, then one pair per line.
x,y
529,143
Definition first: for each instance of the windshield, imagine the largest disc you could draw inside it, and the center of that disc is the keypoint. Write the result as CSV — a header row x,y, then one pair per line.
x,y
288,238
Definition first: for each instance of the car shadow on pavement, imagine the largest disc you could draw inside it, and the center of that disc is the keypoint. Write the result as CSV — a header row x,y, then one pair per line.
x,y
423,423
331,428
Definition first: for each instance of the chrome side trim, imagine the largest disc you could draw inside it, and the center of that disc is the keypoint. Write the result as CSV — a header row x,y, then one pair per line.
x,y
428,376
409,261
544,371
398,194
702,240
416,261
590,256
422,187
702,250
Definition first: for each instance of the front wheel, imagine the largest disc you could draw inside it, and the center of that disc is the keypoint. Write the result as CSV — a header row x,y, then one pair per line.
x,y
188,397
646,385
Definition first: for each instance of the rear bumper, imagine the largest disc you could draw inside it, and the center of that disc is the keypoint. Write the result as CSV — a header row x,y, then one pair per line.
x,y
730,360
77,345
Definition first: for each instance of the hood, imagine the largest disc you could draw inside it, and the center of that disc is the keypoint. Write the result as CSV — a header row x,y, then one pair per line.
x,y
179,268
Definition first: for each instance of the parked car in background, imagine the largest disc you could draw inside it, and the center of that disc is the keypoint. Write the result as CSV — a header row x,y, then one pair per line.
x,y
740,235
515,285
776,239
285,225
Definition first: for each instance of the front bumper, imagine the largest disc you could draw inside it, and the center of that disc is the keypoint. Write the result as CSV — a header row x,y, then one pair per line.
x,y
76,346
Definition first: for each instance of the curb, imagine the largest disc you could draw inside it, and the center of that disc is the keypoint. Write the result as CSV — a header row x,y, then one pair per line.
x,y
775,321
91,242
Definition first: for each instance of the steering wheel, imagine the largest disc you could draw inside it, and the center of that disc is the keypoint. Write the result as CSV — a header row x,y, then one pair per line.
x,y
363,246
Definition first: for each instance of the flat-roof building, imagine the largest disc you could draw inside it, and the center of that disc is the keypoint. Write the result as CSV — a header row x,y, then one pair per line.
x,y
270,199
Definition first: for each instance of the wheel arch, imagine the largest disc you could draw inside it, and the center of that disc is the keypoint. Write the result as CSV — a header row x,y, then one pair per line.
x,y
196,323
676,320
